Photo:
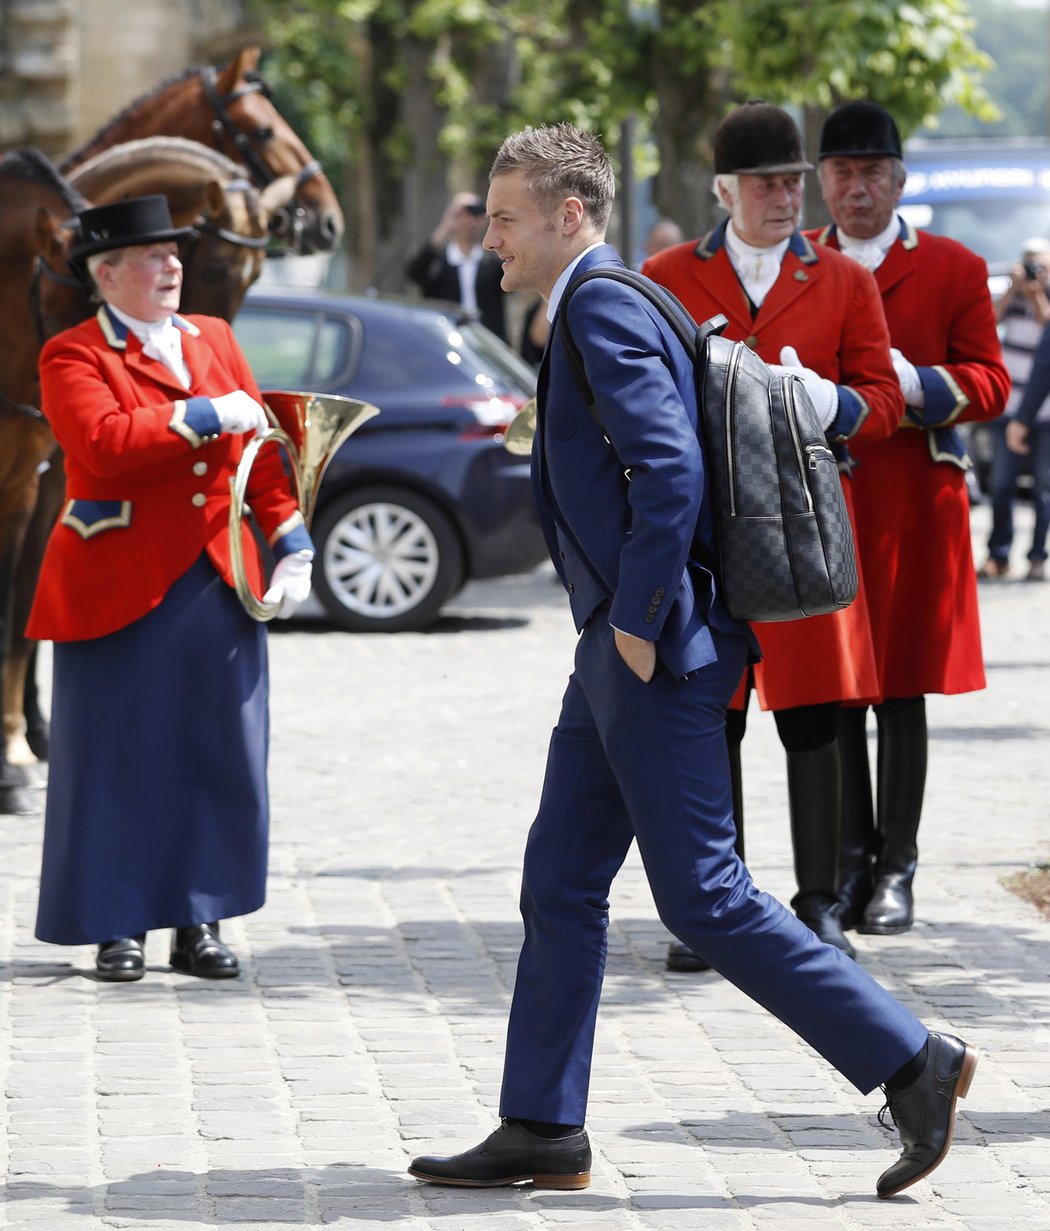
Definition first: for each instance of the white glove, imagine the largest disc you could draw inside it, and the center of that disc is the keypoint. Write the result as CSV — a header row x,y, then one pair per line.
x,y
823,393
908,379
240,412
290,582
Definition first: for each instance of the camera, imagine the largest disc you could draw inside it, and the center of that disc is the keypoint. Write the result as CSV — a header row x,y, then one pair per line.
x,y
477,210
1031,270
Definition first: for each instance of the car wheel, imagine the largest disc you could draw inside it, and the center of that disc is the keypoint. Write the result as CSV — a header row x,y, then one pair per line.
x,y
387,560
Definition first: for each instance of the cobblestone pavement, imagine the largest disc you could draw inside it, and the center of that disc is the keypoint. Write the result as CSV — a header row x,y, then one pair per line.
x,y
368,1025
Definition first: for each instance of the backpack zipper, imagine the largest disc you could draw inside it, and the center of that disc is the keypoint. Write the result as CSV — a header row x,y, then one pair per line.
x,y
734,363
788,387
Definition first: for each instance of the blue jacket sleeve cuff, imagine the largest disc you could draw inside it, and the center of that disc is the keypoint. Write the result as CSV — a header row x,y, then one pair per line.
x,y
201,417
295,538
853,410
943,402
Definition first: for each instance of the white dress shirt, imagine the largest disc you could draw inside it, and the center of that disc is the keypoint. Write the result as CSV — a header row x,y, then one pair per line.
x,y
870,252
160,340
757,268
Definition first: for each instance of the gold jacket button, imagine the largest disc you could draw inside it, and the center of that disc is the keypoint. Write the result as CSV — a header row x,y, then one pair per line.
x,y
200,467
198,499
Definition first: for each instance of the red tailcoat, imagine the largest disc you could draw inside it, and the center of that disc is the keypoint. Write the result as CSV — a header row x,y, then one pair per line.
x,y
145,495
912,506
829,311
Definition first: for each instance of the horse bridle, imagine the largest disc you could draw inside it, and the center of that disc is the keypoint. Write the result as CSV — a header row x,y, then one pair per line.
x,y
223,126
41,270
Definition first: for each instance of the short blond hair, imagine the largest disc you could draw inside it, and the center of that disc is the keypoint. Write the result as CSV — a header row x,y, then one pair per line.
x,y
559,161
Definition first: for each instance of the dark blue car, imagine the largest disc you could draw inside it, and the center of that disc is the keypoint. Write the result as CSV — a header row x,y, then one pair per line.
x,y
424,497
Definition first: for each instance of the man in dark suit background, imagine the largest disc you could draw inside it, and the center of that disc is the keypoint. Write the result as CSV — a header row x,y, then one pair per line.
x,y
453,265
639,751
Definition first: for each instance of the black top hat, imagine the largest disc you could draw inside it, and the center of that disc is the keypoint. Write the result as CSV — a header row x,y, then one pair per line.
x,y
860,129
758,139
132,223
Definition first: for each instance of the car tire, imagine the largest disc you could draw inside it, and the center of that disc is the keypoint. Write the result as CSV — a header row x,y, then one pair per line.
x,y
388,559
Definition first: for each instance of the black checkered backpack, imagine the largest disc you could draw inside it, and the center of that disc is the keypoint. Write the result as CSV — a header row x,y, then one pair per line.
x,y
785,544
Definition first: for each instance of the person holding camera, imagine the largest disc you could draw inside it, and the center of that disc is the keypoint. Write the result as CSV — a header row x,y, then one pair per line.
x,y
1023,312
453,265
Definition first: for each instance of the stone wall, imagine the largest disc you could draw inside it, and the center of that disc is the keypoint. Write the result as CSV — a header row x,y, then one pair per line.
x,y
68,66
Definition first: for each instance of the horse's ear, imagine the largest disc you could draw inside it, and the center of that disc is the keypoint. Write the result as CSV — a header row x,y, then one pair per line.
x,y
45,232
215,200
245,61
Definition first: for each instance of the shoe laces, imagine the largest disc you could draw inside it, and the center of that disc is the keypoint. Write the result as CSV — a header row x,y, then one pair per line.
x,y
887,1108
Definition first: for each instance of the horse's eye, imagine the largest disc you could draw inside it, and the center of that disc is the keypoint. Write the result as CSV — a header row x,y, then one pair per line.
x,y
264,134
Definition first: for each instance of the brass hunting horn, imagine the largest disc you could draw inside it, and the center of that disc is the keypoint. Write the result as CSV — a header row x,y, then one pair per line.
x,y
309,427
521,430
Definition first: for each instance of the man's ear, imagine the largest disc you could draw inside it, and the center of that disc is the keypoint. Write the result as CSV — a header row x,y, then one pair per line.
x,y
571,215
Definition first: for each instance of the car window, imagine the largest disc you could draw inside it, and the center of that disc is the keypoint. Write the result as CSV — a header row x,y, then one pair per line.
x,y
292,350
433,350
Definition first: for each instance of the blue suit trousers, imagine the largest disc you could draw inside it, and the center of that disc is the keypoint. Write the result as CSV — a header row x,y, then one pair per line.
x,y
647,762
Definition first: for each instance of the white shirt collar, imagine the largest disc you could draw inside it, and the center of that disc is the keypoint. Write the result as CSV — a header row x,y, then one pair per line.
x,y
147,331
871,252
564,278
455,255
757,268
161,340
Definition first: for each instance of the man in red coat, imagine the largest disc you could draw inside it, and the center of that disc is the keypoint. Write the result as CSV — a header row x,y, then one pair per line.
x,y
912,508
819,313
157,810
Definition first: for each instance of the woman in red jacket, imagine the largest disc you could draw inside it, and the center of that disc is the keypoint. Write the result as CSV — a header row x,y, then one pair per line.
x,y
157,809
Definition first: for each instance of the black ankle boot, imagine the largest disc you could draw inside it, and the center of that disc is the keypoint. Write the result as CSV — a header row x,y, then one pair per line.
x,y
901,786
814,800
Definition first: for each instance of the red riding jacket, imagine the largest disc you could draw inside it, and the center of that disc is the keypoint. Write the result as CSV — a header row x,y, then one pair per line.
x,y
146,492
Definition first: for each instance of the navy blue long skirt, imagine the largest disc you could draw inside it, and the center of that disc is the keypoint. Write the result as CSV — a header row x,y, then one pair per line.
x,y
157,809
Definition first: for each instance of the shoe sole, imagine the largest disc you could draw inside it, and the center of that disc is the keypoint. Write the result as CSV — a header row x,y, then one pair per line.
x,y
894,929
580,1180
119,976
962,1089
186,968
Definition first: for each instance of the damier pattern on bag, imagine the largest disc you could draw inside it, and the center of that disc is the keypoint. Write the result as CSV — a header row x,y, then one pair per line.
x,y
785,543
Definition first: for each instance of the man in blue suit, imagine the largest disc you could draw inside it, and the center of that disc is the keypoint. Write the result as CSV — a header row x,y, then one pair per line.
x,y
639,751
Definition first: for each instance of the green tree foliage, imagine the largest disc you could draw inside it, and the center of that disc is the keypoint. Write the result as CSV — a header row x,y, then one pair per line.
x,y
406,99
910,57
1016,37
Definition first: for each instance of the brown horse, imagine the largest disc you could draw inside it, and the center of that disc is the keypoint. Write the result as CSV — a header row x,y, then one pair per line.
x,y
231,110
222,258
32,194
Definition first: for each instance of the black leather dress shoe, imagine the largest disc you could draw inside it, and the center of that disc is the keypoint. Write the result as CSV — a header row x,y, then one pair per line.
x,y
681,957
121,960
512,1155
924,1112
198,951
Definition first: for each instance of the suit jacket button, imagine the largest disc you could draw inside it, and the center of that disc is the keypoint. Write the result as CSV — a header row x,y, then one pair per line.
x,y
571,588
198,500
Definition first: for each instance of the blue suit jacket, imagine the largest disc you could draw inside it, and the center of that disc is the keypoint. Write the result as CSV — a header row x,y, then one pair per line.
x,y
644,546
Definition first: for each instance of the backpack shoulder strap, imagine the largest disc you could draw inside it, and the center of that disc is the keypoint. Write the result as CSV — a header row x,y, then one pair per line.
x,y
670,308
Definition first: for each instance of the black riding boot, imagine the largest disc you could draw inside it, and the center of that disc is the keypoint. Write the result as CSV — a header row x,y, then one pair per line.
x,y
901,785
857,839
815,803
680,956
